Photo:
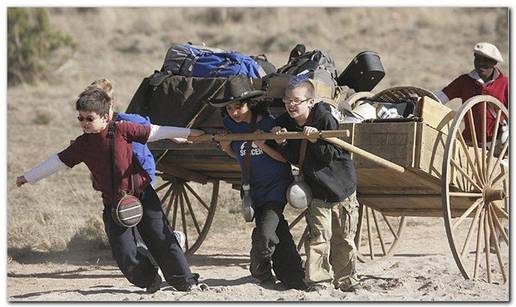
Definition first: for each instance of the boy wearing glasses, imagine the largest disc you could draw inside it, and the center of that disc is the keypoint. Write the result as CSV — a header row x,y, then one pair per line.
x,y
92,148
332,215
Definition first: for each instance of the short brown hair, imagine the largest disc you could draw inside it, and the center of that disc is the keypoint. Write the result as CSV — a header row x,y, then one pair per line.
x,y
103,84
93,100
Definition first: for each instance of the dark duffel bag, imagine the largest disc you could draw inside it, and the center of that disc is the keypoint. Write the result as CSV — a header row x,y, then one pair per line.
x,y
363,73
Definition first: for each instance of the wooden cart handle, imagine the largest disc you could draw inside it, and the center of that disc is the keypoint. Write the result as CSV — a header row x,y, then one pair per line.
x,y
328,135
267,136
367,155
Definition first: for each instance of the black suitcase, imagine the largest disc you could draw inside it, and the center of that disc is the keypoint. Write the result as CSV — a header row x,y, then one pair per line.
x,y
363,73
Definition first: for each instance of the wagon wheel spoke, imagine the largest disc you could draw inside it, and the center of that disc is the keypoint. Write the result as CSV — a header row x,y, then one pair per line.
x,y
379,233
499,159
465,175
487,245
473,134
468,156
192,213
502,212
297,219
498,224
161,187
374,244
390,226
470,231
501,177
493,142
466,213
497,247
195,208
477,250
370,241
477,213
197,196
174,215
167,194
183,217
484,140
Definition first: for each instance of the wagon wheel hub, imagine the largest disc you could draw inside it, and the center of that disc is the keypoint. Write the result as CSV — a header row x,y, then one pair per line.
x,y
490,194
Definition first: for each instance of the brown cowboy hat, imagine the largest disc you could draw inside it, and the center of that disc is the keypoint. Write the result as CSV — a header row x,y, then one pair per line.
x,y
236,88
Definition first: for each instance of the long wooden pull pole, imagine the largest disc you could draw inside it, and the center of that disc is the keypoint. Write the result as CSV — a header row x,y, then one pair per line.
x,y
331,136
267,136
367,155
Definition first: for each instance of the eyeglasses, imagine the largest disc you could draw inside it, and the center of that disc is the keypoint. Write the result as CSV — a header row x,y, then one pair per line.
x,y
87,118
295,101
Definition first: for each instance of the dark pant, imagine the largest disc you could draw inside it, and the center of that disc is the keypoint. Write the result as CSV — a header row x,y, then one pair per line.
x,y
161,243
272,241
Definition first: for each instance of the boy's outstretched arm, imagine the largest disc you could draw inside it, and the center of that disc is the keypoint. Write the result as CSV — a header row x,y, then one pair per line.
x,y
169,132
45,169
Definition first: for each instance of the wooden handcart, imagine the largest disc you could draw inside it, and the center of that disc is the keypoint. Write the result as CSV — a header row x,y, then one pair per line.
x,y
438,172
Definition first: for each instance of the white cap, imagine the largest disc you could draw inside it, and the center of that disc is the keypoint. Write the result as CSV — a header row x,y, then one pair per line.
x,y
488,50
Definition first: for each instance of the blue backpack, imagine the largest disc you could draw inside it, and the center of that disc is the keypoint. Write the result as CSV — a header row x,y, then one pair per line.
x,y
199,61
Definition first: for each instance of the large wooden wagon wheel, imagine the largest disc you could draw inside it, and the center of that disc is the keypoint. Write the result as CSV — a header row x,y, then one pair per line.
x,y
377,234
475,181
189,209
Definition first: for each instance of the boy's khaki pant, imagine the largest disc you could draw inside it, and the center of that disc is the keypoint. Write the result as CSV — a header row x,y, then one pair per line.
x,y
332,227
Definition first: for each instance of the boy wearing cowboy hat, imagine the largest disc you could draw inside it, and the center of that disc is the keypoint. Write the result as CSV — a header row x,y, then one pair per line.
x,y
265,178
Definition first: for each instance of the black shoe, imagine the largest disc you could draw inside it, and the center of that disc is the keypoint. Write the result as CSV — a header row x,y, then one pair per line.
x,y
155,285
316,288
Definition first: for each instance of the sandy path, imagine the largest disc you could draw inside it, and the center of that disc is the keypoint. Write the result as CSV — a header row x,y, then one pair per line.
x,y
423,269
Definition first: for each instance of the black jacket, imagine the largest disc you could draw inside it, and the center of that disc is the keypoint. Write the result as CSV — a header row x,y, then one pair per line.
x,y
327,168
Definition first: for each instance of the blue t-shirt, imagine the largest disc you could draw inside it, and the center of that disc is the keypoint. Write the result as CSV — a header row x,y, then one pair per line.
x,y
269,178
141,151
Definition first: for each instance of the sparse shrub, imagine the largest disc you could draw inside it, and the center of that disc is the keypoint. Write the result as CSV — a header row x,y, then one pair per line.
x,y
215,15
31,44
41,118
91,236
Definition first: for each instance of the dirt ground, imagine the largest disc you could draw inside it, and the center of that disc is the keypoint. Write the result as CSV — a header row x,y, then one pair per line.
x,y
418,271
56,245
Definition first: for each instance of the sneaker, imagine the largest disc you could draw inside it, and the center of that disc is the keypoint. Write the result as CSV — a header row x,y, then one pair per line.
x,y
155,285
181,239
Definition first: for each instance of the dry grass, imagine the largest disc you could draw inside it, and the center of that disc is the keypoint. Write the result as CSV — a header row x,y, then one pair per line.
x,y
424,47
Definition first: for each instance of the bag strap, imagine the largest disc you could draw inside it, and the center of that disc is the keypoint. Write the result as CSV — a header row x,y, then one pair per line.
x,y
134,179
111,137
247,157
304,145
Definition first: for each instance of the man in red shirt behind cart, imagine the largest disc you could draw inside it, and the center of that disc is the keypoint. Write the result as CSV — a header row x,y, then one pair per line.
x,y
485,79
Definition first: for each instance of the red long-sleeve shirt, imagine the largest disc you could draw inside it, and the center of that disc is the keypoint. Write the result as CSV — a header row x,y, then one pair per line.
x,y
469,85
